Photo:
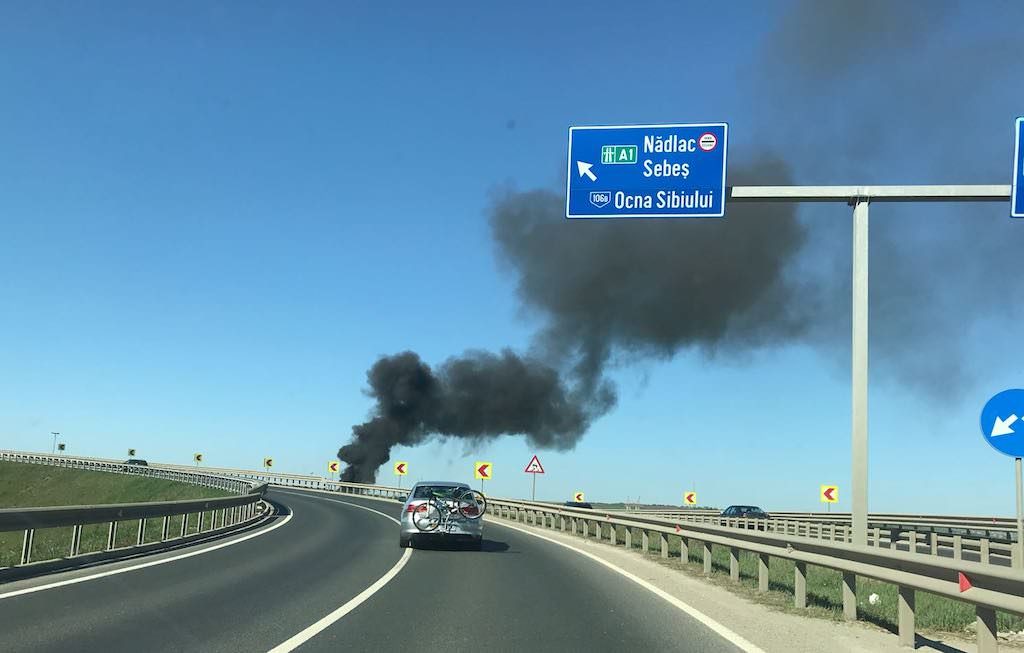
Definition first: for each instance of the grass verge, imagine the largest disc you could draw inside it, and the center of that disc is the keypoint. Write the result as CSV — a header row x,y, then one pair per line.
x,y
23,485
934,614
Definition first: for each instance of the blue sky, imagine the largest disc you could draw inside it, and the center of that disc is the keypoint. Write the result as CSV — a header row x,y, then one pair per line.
x,y
215,217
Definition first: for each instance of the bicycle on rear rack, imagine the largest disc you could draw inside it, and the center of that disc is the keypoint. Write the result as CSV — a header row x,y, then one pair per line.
x,y
443,512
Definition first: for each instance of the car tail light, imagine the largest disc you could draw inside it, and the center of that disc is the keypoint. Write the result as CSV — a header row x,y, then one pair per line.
x,y
469,510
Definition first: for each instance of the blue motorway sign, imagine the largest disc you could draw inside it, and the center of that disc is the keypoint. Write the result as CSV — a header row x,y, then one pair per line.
x,y
1017,196
647,171
1002,422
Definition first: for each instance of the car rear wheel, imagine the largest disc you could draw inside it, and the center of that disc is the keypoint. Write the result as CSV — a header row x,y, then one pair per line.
x,y
404,541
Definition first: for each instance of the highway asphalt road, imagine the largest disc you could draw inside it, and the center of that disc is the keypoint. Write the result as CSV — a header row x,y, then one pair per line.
x,y
518,593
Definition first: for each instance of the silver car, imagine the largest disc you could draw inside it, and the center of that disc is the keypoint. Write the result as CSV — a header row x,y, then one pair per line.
x,y
457,529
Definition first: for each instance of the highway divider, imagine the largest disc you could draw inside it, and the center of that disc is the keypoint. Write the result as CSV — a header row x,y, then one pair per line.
x,y
988,587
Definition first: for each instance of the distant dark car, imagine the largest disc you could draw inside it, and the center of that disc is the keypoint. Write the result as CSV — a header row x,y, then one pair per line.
x,y
750,512
578,504
134,462
746,512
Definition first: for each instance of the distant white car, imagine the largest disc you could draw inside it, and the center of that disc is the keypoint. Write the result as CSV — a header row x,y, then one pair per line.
x,y
442,511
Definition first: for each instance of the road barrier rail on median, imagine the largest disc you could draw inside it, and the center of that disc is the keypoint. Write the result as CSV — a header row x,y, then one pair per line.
x,y
995,528
982,539
225,513
993,587
192,476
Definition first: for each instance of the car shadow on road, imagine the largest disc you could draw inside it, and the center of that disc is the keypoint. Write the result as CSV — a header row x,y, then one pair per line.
x,y
487,546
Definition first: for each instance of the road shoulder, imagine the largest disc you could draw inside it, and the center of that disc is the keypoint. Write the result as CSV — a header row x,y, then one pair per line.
x,y
762,625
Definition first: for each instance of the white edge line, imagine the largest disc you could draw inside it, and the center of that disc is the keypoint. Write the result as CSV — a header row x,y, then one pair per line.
x,y
347,503
315,629
724,632
152,563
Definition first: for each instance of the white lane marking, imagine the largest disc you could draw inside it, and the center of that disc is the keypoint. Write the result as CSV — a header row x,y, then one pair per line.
x,y
354,505
726,634
312,631
152,563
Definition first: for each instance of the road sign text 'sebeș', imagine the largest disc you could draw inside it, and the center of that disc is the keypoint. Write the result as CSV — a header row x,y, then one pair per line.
x,y
647,171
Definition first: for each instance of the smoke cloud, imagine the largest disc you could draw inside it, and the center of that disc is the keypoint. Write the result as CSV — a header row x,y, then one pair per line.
x,y
648,288
475,396
849,95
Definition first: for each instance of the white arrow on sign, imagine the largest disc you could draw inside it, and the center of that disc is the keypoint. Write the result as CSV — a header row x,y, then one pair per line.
x,y
584,169
1002,427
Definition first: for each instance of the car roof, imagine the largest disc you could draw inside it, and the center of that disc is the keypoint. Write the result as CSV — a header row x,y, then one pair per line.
x,y
444,483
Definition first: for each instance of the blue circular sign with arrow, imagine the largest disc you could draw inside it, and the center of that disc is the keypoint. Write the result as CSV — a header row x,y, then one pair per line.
x,y
1002,422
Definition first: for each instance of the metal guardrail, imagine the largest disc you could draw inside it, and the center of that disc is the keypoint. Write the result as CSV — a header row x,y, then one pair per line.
x,y
993,588
192,476
920,533
993,527
226,512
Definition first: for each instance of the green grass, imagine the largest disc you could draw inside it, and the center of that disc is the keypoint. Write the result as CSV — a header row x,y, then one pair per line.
x,y
23,485
824,595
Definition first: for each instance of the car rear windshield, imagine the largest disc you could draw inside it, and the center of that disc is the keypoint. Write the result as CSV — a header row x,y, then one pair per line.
x,y
439,491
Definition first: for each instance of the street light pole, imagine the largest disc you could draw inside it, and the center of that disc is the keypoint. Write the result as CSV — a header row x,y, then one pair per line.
x,y
54,434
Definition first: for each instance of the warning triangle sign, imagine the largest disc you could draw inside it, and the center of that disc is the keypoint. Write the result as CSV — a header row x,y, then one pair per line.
x,y
534,467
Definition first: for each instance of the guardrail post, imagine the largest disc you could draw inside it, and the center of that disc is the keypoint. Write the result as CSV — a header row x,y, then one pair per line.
x,y
800,585
202,517
184,524
613,538
26,545
986,626
76,540
111,535
664,545
912,543
850,596
645,540
878,536
707,558
958,547
906,615
984,552
629,538
561,522
164,528
684,549
935,543
734,563
141,537
762,572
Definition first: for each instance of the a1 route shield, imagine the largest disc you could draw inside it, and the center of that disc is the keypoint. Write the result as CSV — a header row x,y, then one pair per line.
x,y
647,171
1002,422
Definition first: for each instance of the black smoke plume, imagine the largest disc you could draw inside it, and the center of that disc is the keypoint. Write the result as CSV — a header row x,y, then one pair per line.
x,y
849,93
637,289
478,395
